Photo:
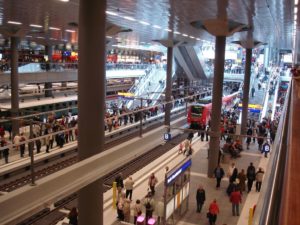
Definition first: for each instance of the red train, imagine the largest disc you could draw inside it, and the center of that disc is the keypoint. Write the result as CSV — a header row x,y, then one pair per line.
x,y
199,113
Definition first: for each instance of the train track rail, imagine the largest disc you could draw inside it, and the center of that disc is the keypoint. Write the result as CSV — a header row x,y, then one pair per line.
x,y
67,159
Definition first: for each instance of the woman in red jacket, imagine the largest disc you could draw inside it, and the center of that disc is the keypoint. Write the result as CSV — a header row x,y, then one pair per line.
x,y
213,212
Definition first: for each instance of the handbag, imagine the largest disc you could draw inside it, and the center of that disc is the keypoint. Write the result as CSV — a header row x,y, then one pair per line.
x,y
208,215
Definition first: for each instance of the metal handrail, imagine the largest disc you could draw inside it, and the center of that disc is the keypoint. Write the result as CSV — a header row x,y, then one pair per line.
x,y
268,208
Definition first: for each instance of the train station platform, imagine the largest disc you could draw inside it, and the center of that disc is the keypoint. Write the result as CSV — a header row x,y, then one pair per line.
x,y
198,177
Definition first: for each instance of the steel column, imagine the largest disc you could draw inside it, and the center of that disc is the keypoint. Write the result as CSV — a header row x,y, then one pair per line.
x,y
246,89
14,79
169,87
91,99
214,144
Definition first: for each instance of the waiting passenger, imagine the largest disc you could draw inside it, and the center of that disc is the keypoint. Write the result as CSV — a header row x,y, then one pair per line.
x,y
149,205
129,187
73,216
5,151
137,210
152,183
119,181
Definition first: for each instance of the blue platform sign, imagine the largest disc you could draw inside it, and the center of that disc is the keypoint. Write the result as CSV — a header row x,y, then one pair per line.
x,y
167,136
179,171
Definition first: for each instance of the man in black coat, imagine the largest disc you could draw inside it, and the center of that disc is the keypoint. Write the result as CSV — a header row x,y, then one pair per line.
x,y
219,174
251,173
200,197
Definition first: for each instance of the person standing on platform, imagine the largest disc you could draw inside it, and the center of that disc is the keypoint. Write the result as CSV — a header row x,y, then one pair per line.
x,y
213,212
129,187
219,174
119,181
137,209
22,146
235,199
126,210
5,151
16,142
266,148
160,210
250,176
232,173
73,216
259,177
149,205
200,198
253,92
242,180
152,182
249,133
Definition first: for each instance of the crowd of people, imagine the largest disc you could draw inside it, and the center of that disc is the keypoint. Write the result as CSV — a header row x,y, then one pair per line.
x,y
125,204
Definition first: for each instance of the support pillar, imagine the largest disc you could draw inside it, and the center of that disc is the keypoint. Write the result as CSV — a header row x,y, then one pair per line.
x,y
48,92
14,79
48,85
92,19
246,89
169,87
214,144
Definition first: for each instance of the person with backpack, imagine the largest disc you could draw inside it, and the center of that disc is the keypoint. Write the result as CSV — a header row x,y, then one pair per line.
x,y
149,205
250,176
266,148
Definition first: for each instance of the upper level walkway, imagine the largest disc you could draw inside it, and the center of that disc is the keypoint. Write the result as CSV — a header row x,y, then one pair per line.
x,y
62,72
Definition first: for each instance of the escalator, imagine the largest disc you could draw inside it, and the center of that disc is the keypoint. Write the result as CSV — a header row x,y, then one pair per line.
x,y
187,58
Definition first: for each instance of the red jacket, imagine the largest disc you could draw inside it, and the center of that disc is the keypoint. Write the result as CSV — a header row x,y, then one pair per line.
x,y
235,197
214,208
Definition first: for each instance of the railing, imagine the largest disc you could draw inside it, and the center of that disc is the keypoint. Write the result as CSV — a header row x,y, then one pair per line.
x,y
274,208
25,67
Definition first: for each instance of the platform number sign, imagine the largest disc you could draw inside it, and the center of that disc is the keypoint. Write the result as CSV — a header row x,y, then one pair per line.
x,y
167,136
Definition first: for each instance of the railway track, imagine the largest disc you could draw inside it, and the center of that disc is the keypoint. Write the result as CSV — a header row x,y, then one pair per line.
x,y
70,158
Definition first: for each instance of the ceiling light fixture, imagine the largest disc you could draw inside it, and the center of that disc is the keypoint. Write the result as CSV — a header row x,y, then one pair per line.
x,y
29,36
156,26
176,32
144,23
40,37
70,31
192,37
54,28
185,35
108,36
128,18
198,39
14,22
64,0
168,30
296,2
111,13
295,17
36,25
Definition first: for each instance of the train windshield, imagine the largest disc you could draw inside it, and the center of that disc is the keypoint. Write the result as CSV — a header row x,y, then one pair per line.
x,y
206,100
197,110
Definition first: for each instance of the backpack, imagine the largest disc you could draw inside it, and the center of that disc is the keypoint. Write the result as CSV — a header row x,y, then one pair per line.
x,y
148,205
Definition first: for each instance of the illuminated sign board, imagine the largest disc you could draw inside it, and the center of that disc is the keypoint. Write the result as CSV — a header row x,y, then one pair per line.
x,y
179,171
252,106
126,94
